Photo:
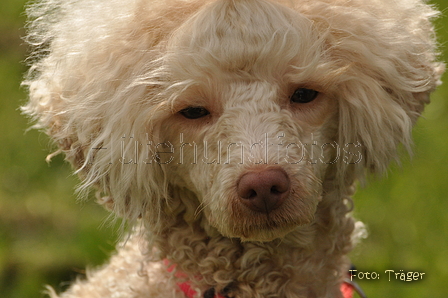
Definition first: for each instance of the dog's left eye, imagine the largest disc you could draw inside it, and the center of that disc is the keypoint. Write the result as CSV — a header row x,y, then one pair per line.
x,y
194,112
304,95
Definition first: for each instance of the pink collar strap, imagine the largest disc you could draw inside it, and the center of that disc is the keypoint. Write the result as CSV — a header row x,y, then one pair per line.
x,y
348,287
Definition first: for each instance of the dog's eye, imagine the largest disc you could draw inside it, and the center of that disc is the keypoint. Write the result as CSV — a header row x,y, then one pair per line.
x,y
303,95
194,112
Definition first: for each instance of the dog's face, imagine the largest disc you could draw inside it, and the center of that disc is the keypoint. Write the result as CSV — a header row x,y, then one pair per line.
x,y
249,124
241,113
246,151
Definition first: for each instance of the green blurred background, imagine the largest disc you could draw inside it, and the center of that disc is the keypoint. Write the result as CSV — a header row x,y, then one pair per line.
x,y
47,237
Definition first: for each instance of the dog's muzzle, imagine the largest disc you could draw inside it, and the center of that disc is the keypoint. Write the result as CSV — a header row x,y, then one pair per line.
x,y
265,190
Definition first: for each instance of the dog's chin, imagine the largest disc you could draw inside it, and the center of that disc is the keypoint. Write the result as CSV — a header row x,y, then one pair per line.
x,y
263,230
267,235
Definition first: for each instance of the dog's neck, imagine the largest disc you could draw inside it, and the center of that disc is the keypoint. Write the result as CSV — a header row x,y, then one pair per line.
x,y
303,260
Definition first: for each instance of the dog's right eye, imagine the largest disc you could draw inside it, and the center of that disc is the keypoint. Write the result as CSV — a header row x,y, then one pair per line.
x,y
304,95
194,112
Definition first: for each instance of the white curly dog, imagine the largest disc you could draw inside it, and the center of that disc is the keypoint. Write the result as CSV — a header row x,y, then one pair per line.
x,y
229,133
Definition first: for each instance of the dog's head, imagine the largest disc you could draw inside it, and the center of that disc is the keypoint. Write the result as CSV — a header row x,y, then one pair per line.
x,y
240,114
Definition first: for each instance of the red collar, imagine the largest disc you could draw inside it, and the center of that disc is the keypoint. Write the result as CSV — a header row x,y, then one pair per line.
x,y
347,290
347,287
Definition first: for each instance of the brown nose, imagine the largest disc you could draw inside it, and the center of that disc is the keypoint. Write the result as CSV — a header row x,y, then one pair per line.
x,y
263,191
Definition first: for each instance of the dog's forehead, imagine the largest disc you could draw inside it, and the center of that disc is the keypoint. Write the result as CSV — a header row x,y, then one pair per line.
x,y
259,38
261,94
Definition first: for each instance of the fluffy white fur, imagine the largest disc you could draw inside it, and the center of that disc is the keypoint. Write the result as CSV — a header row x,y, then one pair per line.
x,y
109,77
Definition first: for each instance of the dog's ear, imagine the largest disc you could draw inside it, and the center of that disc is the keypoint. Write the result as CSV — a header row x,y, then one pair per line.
x,y
377,114
375,121
108,134
388,70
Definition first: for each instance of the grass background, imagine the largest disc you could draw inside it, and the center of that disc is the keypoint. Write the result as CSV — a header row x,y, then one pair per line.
x,y
46,237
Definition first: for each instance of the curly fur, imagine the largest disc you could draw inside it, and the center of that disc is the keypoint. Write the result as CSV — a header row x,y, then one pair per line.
x,y
107,81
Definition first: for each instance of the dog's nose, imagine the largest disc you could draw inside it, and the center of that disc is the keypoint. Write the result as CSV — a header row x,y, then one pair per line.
x,y
263,191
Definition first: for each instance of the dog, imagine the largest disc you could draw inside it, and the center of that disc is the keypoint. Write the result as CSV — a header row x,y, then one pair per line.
x,y
230,134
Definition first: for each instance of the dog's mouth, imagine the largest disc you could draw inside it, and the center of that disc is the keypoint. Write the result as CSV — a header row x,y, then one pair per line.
x,y
251,225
